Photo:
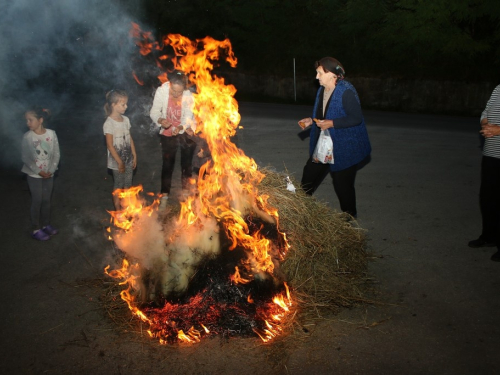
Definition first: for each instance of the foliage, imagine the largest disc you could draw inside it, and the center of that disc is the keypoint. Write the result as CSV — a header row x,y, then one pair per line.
x,y
447,39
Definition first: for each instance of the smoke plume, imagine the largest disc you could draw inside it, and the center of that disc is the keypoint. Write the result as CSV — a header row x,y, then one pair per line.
x,y
54,51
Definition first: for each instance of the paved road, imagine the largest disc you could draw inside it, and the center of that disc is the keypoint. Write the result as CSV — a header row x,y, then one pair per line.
x,y
417,198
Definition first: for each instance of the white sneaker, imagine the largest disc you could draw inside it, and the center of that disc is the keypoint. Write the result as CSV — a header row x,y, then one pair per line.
x,y
163,203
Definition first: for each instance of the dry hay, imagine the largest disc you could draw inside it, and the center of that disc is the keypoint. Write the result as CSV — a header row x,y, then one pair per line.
x,y
326,264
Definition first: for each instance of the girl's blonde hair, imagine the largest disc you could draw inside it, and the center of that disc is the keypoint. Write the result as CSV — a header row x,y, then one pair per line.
x,y
112,97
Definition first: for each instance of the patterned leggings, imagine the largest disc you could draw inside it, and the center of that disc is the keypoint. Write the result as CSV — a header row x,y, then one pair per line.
x,y
123,180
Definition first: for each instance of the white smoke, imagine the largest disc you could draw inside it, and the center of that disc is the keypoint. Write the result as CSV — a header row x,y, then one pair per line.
x,y
169,253
53,50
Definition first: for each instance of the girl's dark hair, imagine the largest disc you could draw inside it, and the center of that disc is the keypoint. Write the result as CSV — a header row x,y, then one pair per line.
x,y
329,64
39,112
112,97
178,77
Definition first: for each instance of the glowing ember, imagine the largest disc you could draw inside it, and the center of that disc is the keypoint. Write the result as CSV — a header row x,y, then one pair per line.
x,y
212,270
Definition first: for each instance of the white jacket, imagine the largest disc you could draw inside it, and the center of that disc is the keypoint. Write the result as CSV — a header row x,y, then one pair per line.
x,y
160,105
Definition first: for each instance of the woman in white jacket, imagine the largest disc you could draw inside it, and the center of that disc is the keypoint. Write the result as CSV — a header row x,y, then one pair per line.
x,y
172,112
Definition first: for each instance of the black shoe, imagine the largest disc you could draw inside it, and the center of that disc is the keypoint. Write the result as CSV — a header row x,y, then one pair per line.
x,y
496,257
480,242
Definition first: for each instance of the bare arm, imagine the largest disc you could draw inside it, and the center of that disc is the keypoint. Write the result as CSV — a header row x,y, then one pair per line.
x,y
132,146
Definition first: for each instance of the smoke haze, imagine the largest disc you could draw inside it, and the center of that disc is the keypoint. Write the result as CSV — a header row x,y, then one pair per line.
x,y
54,51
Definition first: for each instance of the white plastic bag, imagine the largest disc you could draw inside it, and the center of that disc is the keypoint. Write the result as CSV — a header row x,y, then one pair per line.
x,y
289,185
323,153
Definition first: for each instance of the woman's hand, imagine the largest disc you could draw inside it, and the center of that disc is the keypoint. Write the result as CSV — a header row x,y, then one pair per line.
x,y
164,123
44,174
189,131
489,130
305,122
176,130
324,124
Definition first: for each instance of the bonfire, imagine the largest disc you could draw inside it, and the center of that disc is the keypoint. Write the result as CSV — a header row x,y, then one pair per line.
x,y
222,263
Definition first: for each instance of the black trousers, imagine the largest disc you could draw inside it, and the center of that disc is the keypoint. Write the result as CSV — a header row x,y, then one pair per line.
x,y
343,183
169,146
489,199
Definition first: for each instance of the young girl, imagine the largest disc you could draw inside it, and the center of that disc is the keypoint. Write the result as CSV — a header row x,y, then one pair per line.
x,y
40,155
122,158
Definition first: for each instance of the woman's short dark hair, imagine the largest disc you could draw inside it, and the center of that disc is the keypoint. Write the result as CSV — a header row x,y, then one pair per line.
x,y
329,64
178,77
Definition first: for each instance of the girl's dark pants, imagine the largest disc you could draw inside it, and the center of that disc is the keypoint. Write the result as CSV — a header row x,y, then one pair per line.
x,y
41,192
489,199
169,146
343,183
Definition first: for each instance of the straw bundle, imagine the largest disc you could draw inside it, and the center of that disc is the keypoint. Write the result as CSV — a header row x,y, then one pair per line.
x,y
326,263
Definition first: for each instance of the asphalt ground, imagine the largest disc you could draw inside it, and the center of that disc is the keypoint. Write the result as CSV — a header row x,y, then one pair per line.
x,y
417,200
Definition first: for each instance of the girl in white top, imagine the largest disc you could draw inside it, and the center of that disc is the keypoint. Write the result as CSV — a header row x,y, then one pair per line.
x,y
122,158
40,155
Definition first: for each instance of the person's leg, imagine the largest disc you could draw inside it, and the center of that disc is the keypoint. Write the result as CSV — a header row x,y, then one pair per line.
x,y
35,185
490,205
36,190
187,153
47,185
343,184
489,198
128,176
169,149
313,175
118,183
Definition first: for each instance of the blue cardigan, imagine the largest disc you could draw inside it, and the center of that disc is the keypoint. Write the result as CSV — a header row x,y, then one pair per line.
x,y
351,144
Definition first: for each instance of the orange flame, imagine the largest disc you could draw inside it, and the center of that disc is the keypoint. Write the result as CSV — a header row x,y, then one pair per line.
x,y
129,275
237,279
226,189
282,305
133,207
137,79
144,40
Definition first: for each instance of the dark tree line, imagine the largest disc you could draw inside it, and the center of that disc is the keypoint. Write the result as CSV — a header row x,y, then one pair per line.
x,y
436,39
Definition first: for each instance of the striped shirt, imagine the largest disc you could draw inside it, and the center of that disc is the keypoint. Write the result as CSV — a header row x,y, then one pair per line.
x,y
492,113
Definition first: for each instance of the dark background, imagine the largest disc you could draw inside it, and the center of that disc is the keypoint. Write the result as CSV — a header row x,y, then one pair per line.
x,y
442,39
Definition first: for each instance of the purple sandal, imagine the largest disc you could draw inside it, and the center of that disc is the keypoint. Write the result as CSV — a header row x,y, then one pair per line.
x,y
40,235
50,230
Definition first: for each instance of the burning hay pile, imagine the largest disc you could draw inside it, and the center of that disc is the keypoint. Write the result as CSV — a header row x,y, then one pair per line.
x,y
198,285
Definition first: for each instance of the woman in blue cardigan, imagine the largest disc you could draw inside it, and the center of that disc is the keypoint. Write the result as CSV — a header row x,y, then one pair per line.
x,y
338,110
